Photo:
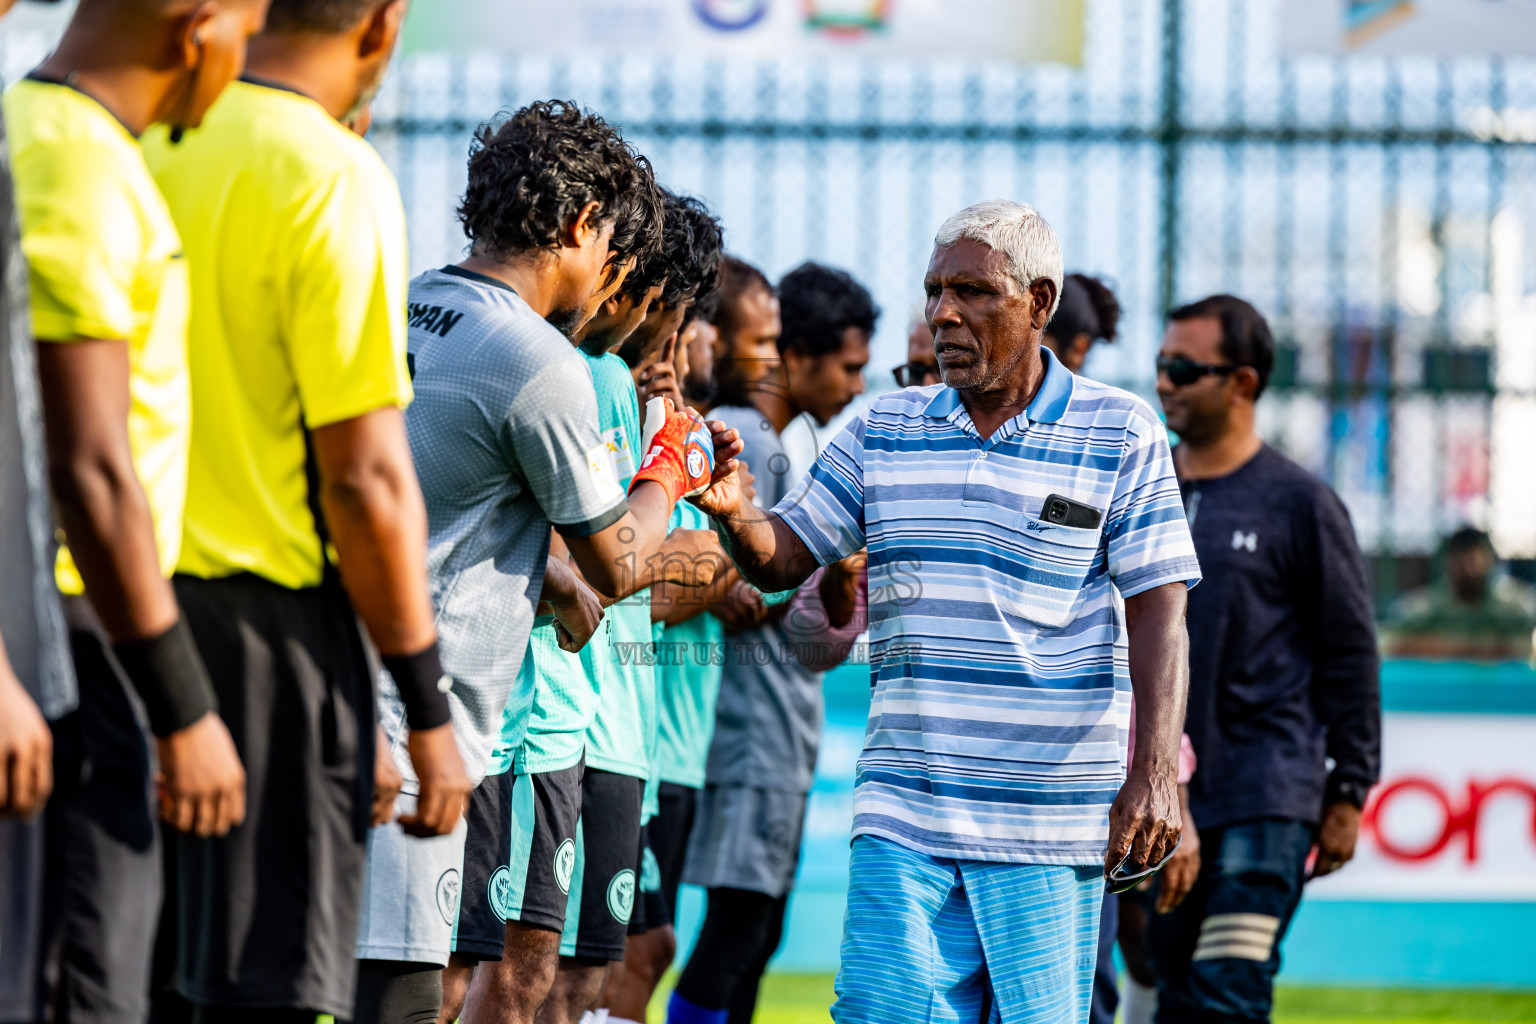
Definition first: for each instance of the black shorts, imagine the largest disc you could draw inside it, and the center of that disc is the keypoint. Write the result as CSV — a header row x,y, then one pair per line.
x,y
651,907
529,818
669,832
21,916
609,848
101,845
269,913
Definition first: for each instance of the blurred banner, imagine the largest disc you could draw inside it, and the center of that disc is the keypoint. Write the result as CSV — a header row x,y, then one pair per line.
x,y
1481,28
1454,817
1443,883
1008,30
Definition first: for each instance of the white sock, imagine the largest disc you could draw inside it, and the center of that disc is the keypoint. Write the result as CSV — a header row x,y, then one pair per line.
x,y
1138,1002
595,1017
623,1020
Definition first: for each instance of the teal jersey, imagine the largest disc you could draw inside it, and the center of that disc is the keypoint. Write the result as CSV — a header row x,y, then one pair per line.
x,y
689,661
650,797
565,699
620,736
514,720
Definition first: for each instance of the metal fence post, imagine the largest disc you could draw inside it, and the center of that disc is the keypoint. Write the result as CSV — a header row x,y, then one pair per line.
x,y
1170,131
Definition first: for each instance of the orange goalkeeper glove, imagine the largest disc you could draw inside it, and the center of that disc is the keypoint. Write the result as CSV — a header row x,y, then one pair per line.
x,y
679,451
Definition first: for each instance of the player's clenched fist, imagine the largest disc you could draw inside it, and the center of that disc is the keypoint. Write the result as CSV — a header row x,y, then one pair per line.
x,y
444,786
26,748
679,452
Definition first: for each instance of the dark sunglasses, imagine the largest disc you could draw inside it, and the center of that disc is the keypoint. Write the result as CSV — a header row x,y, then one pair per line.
x,y
910,375
1183,372
1120,880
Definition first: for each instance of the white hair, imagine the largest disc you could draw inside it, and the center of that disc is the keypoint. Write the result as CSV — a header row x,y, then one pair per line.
x,y
1016,230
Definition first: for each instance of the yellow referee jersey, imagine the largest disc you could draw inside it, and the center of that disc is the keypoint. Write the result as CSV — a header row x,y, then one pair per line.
x,y
295,237
105,262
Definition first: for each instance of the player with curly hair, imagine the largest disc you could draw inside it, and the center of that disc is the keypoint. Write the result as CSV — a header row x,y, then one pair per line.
x,y
507,441
600,703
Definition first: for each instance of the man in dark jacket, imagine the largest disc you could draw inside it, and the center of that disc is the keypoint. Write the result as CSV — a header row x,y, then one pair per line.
x,y
1283,673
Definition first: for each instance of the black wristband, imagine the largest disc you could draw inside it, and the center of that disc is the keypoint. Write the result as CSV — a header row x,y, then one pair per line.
x,y
423,686
1345,791
170,678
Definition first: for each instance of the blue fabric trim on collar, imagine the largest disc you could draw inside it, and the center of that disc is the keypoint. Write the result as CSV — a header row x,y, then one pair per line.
x,y
1051,401
1049,405
944,401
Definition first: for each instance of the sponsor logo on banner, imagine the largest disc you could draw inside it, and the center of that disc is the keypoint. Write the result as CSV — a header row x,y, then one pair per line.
x,y
730,15
847,17
971,30
1454,817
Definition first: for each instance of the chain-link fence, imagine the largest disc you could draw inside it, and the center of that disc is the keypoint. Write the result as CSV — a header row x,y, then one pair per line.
x,y
1381,212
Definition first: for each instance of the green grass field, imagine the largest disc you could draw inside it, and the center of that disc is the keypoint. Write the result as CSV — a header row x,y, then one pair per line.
x,y
804,998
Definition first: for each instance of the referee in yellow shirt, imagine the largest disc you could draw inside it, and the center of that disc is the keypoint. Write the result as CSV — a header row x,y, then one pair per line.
x,y
109,307
295,236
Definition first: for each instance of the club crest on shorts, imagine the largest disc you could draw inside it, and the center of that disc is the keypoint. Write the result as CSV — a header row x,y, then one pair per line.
x,y
498,893
621,896
695,462
448,895
650,872
565,865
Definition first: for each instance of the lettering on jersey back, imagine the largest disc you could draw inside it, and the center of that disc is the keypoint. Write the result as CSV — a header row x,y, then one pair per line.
x,y
435,319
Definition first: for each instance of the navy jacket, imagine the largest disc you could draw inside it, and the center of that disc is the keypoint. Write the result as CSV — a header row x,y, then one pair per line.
x,y
1282,638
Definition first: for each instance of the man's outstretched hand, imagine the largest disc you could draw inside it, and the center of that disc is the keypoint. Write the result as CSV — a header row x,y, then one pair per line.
x,y
1144,819
444,786
726,495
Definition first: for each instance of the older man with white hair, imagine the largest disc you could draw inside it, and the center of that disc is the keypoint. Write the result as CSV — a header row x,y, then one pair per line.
x,y
1028,562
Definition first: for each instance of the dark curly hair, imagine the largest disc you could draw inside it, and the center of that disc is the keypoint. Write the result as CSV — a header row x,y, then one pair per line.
x,y
818,305
323,16
1088,306
688,262
531,174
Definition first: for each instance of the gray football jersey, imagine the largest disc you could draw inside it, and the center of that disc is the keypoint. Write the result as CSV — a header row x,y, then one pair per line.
x,y
768,717
504,434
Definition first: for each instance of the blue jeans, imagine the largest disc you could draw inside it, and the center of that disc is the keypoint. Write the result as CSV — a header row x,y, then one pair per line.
x,y
1217,954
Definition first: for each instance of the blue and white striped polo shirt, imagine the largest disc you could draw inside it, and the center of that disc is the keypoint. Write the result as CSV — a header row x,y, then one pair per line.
x,y
1001,700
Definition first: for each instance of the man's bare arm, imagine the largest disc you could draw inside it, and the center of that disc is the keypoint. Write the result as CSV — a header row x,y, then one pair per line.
x,y
610,558
767,553
378,524
104,509
687,558
674,603
576,607
111,534
1146,813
